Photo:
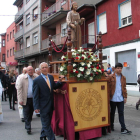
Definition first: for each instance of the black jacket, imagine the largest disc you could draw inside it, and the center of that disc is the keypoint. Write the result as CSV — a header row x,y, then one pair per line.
x,y
3,79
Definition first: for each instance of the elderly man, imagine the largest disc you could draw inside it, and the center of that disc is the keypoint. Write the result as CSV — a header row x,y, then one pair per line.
x,y
43,87
20,108
25,96
37,71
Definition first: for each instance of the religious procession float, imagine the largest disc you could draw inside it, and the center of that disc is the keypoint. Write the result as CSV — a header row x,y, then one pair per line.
x,y
83,106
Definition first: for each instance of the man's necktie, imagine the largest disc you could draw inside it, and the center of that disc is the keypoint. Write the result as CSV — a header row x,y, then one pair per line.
x,y
47,80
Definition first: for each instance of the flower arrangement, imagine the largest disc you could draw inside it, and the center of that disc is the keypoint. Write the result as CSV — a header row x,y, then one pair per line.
x,y
85,65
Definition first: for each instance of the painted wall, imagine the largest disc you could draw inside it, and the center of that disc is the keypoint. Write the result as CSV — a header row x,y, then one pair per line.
x,y
115,35
10,44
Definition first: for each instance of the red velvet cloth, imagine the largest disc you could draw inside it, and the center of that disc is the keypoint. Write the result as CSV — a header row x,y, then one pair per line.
x,y
62,120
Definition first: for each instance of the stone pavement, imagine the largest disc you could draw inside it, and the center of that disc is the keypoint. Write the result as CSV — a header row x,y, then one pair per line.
x,y
12,128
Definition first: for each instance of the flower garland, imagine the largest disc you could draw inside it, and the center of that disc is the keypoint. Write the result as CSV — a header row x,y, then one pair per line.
x,y
85,65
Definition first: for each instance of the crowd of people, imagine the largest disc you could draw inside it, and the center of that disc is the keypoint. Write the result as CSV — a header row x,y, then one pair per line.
x,y
33,91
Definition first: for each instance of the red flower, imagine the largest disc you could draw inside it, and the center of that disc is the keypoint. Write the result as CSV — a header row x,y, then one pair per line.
x,y
102,70
82,58
91,74
82,72
97,64
89,56
97,67
97,73
76,49
76,72
72,59
87,53
77,58
96,56
85,48
82,53
71,71
64,59
92,66
85,67
77,54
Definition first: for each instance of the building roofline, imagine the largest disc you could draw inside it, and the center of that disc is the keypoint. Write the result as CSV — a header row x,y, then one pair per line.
x,y
3,34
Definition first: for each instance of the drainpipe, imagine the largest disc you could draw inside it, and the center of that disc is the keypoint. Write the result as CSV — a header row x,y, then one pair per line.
x,y
95,25
40,15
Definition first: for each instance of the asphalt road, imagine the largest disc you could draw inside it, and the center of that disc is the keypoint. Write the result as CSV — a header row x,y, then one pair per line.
x,y
13,129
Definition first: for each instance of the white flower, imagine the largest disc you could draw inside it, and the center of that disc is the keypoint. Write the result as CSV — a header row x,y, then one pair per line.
x,y
97,59
73,53
63,57
90,50
90,62
79,50
74,70
81,69
94,69
90,78
94,59
82,50
73,50
82,63
74,64
61,68
79,75
100,71
87,72
88,65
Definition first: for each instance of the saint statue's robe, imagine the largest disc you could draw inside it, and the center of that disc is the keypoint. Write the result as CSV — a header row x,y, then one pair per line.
x,y
74,18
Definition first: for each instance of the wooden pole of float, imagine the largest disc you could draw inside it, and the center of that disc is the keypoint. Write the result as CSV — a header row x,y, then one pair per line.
x,y
69,53
100,46
50,54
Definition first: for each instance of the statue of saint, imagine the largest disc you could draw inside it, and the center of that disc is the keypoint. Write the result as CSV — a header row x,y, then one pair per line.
x,y
73,20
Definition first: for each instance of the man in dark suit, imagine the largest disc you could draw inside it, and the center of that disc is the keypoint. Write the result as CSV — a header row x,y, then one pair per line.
x,y
43,99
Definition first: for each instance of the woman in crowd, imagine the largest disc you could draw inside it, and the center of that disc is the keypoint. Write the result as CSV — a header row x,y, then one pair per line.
x,y
12,89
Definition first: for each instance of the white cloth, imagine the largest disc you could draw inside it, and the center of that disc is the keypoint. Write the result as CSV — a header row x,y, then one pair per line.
x,y
20,108
1,113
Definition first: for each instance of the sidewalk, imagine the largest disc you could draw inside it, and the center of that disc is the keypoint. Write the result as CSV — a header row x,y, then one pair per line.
x,y
131,100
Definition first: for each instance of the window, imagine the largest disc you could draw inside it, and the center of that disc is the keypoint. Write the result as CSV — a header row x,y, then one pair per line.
x,y
101,23
13,33
7,37
3,57
28,19
63,29
35,38
13,51
35,13
7,53
10,52
27,1
125,14
3,43
28,42
10,35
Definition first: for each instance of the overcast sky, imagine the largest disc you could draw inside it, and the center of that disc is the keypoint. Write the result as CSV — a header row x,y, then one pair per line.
x,y
6,8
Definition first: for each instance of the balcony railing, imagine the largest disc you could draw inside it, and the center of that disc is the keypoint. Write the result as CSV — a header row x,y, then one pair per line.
x,y
31,50
18,34
19,14
19,54
59,5
58,39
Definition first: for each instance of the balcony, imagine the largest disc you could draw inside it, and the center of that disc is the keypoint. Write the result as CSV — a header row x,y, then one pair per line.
x,y
56,12
19,54
32,50
19,15
18,34
58,39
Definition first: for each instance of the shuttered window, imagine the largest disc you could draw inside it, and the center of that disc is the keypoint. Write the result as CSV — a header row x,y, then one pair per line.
x,y
35,13
102,25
